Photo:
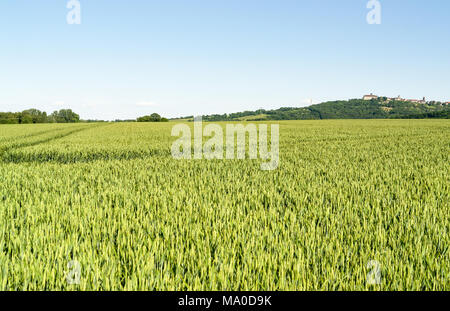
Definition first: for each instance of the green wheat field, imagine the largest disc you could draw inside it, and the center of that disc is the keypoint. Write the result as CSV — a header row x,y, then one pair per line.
x,y
349,200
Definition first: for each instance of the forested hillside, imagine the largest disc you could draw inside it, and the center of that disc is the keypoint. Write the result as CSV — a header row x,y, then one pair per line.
x,y
352,109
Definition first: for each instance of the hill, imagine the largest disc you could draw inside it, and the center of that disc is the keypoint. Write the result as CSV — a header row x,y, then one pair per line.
x,y
380,108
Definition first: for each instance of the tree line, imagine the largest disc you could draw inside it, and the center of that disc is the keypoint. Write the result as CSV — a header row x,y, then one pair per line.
x,y
33,116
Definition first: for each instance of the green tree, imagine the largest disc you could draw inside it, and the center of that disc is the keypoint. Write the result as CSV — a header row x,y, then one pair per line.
x,y
65,116
154,117
36,115
25,118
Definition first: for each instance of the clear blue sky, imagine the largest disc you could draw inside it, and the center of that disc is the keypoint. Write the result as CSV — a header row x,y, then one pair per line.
x,y
189,57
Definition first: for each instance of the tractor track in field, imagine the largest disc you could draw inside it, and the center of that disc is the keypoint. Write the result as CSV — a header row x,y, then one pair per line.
x,y
30,135
12,153
74,157
19,145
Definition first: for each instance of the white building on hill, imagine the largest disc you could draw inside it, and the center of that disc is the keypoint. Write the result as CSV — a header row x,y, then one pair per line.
x,y
369,97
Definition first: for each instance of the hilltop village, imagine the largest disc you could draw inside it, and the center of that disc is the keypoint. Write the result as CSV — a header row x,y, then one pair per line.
x,y
399,98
